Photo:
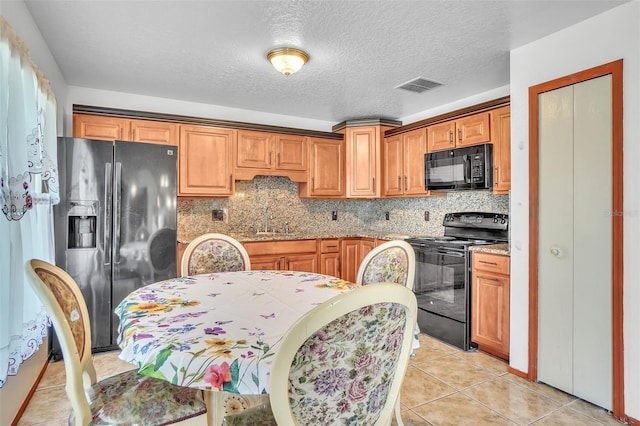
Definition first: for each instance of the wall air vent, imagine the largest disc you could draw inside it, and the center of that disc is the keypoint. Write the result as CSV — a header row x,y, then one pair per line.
x,y
418,85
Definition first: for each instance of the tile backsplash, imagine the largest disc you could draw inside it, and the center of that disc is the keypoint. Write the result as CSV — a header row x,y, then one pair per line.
x,y
246,208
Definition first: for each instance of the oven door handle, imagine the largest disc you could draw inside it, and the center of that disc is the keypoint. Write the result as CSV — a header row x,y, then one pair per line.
x,y
438,250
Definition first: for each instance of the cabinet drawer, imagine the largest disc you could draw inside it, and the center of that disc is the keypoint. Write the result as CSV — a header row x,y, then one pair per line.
x,y
330,246
491,262
257,248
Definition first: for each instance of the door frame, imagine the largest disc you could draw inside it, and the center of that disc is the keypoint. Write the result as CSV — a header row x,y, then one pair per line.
x,y
615,70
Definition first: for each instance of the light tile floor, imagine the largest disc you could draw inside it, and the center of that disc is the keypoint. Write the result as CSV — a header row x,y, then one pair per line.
x,y
443,386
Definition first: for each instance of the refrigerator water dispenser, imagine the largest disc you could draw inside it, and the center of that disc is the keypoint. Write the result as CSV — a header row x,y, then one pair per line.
x,y
82,225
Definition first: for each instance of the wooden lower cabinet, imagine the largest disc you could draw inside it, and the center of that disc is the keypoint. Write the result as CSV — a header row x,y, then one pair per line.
x,y
179,253
353,251
330,257
490,289
295,255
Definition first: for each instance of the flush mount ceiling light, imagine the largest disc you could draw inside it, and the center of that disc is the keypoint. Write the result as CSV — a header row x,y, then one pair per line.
x,y
287,60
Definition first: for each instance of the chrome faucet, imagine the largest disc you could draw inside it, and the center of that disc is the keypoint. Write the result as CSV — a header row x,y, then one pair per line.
x,y
268,214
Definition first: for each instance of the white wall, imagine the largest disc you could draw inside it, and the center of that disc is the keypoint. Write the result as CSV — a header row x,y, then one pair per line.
x,y
607,37
104,98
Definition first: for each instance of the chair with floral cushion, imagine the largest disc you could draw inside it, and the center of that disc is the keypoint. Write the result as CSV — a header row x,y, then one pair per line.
x,y
214,253
341,363
126,398
393,262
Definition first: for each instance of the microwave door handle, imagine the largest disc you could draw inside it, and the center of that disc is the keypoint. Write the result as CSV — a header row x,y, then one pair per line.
x,y
467,167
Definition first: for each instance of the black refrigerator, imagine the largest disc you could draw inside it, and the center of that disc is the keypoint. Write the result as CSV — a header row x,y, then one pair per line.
x,y
115,225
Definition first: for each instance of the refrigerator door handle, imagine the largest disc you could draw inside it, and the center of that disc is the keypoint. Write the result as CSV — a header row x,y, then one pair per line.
x,y
117,189
107,213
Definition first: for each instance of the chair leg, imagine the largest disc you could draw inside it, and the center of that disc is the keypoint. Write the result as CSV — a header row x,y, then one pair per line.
x,y
397,410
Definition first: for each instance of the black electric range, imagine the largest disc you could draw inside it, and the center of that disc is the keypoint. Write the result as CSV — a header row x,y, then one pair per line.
x,y
443,273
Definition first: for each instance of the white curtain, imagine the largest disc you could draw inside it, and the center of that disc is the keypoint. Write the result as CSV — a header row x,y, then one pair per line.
x,y
28,190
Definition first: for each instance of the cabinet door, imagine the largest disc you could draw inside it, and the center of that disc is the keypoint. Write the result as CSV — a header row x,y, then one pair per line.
x,y
501,138
362,162
254,149
350,259
291,152
154,132
262,263
473,130
326,169
490,312
100,127
302,262
330,264
441,136
205,161
366,245
392,166
415,147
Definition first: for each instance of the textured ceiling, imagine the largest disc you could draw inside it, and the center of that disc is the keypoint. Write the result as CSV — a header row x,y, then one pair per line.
x,y
214,52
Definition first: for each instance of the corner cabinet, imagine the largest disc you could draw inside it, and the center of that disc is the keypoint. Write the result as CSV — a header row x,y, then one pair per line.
x,y
271,154
103,127
465,131
490,290
403,164
205,154
501,138
326,170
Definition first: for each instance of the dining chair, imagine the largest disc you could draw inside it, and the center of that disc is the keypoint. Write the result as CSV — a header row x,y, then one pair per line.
x,y
341,363
126,398
393,261
214,253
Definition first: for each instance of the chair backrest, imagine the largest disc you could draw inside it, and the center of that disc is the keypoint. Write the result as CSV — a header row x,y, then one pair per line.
x,y
67,309
214,253
345,359
393,261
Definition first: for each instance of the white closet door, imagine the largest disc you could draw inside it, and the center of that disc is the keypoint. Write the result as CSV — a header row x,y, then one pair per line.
x,y
575,310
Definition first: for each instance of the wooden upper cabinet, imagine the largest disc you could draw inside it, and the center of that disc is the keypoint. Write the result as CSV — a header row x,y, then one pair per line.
x,y
205,166
501,138
111,128
363,160
254,149
403,164
470,130
393,169
271,154
101,127
291,152
326,169
159,132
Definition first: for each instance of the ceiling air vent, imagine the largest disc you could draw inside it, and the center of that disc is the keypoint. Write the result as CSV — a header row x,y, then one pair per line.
x,y
418,85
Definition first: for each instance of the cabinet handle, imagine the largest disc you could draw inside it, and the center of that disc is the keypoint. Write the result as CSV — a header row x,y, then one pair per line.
x,y
488,263
450,137
399,182
332,246
459,135
230,181
339,265
278,160
373,181
313,184
495,177
269,157
405,182
490,278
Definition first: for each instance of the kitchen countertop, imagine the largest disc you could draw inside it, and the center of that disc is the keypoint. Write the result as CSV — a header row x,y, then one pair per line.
x,y
280,236
493,248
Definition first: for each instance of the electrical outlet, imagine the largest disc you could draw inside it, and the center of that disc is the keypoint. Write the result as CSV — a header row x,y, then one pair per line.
x,y
386,216
217,215
426,216
334,215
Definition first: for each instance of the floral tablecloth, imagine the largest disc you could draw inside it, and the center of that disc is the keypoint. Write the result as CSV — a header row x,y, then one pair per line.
x,y
217,331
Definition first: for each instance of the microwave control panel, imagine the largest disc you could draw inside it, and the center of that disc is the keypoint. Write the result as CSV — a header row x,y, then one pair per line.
x,y
477,168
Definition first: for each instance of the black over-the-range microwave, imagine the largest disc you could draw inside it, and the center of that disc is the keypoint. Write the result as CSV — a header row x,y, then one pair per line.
x,y
460,168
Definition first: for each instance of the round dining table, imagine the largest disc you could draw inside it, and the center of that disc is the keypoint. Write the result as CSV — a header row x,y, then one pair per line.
x,y
218,332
